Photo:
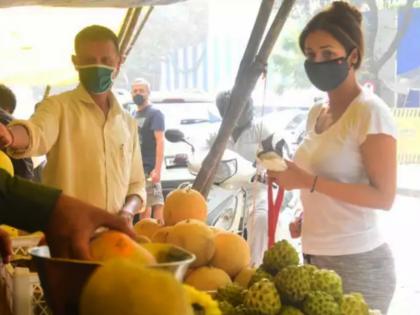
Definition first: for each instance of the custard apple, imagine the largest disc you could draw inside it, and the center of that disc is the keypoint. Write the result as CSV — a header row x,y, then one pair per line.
x,y
320,303
329,282
310,268
354,304
263,298
281,255
259,275
232,293
293,283
243,310
290,310
226,308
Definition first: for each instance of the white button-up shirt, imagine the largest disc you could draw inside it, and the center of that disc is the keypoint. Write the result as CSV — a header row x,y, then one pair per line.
x,y
90,156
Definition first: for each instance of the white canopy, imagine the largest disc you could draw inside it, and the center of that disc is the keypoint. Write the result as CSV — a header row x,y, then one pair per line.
x,y
36,39
85,3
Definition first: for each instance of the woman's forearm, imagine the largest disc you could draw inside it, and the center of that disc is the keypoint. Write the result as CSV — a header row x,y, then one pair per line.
x,y
365,195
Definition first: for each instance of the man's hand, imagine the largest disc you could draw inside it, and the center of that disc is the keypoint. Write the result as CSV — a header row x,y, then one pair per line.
x,y
155,176
6,137
131,206
5,246
72,225
127,216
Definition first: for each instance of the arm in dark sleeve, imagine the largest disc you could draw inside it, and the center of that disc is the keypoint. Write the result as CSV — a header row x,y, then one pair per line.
x,y
25,205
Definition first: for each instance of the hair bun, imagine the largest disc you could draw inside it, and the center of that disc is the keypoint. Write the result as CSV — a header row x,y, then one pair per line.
x,y
342,8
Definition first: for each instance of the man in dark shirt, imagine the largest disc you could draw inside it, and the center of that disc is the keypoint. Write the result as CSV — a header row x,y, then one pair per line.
x,y
22,167
151,127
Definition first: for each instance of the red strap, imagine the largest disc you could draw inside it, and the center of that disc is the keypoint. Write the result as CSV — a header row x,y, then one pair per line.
x,y
273,211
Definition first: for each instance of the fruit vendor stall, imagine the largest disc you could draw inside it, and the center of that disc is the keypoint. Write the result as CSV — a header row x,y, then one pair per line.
x,y
184,267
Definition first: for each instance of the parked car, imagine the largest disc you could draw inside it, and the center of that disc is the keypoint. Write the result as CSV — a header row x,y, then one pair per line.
x,y
192,113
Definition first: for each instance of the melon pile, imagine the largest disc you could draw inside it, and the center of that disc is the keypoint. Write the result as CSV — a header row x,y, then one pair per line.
x,y
220,256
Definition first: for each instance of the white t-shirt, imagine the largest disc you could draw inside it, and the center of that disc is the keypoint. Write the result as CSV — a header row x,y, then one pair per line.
x,y
332,227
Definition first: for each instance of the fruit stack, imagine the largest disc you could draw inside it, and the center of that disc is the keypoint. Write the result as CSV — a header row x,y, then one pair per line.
x,y
220,255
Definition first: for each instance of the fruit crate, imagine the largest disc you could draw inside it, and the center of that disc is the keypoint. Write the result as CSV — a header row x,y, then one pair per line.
x,y
23,291
21,244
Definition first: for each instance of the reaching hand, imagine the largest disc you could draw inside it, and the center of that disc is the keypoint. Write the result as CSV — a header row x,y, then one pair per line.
x,y
72,225
155,176
5,246
6,137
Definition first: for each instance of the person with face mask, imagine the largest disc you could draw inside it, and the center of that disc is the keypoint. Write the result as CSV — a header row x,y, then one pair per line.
x,y
22,167
245,140
91,143
151,127
346,166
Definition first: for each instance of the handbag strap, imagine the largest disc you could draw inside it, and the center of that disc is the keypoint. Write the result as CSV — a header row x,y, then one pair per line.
x,y
274,207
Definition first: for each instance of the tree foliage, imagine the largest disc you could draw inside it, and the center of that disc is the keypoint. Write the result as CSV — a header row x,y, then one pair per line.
x,y
168,29
286,61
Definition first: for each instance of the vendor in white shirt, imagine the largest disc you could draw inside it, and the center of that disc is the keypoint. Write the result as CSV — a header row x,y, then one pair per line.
x,y
346,165
91,143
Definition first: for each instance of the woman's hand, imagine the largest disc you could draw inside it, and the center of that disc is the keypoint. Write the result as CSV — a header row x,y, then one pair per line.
x,y
292,178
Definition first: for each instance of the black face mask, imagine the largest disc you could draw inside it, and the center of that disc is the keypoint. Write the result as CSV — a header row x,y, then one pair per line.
x,y
328,75
139,99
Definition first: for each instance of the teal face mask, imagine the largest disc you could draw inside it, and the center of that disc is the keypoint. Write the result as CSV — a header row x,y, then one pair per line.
x,y
96,78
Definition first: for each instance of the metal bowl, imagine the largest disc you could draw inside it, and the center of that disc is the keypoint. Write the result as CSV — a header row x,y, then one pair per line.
x,y
63,279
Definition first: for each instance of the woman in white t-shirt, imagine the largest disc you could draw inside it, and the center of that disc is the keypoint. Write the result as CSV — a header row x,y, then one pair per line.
x,y
346,165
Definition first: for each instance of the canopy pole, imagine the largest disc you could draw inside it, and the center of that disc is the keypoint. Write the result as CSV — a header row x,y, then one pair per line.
x,y
46,92
139,29
125,39
123,28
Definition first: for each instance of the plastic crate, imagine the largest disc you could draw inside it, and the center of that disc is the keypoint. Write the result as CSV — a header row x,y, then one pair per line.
x,y
23,289
21,244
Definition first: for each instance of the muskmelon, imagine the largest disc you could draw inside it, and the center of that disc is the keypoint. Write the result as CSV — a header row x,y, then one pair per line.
x,y
195,237
147,227
113,244
232,253
184,203
208,279
161,234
